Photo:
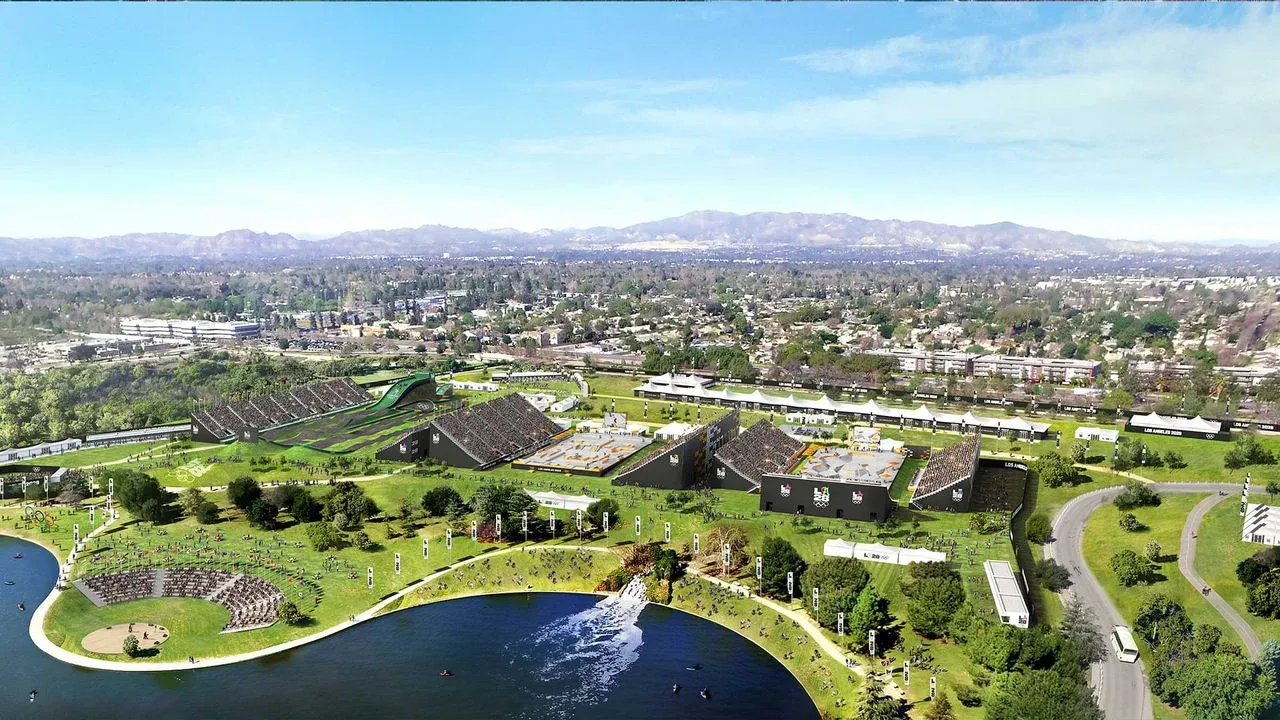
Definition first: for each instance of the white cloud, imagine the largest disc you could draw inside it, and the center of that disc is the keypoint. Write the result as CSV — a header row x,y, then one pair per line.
x,y
1195,97
903,54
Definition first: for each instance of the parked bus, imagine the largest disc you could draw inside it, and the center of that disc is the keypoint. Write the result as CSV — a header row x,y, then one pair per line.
x,y
1125,647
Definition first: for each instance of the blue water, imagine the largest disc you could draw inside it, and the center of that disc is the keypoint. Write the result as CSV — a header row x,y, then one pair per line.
x,y
527,656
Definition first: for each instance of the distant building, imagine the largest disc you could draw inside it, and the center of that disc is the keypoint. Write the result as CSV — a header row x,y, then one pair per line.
x,y
925,361
1036,369
203,330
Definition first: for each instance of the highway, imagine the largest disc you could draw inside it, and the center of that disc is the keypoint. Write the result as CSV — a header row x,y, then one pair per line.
x,y
1121,687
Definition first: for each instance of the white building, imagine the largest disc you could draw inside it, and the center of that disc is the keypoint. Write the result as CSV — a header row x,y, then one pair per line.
x,y
924,361
674,431
875,552
1097,433
1261,524
1011,606
1036,369
190,329
811,419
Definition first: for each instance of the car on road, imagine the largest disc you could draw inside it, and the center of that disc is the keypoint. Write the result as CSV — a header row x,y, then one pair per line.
x,y
1123,643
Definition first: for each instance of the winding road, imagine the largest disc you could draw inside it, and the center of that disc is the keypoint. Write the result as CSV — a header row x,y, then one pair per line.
x,y
1122,687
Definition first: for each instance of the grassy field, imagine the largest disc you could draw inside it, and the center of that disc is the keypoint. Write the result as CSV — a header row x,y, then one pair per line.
x,y
1218,550
381,376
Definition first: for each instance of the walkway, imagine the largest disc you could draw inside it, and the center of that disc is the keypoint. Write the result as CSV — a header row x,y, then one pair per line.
x,y
1187,566
834,651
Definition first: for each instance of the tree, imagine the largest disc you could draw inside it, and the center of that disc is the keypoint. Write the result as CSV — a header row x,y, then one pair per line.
x,y
131,646
875,703
1038,528
1273,488
305,508
1136,494
1053,576
1152,551
348,501
1043,695
596,511
1263,596
140,494
436,501
778,557
1269,661
834,573
1129,522
941,708
1131,568
191,500
1222,686
1080,630
1160,619
244,491
206,513
1174,460
1079,451
262,514
362,541
869,612
502,499
1055,470
1249,570
288,613
323,536
935,592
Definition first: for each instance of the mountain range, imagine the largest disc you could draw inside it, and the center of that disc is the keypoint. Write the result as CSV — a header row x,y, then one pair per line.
x,y
762,235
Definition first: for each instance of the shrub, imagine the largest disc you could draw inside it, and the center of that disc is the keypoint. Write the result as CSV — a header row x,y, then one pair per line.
x,y
289,613
1136,494
968,695
1053,577
1129,522
1249,570
361,541
131,646
1039,529
1130,567
323,536
436,501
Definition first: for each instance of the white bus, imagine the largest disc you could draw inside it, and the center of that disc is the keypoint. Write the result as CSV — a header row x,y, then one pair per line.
x,y
1124,645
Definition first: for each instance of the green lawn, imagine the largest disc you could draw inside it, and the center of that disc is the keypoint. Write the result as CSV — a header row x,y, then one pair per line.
x,y
1218,550
1103,537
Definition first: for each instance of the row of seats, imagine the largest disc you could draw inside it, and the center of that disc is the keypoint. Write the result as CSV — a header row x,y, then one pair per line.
x,y
252,601
501,427
231,419
762,449
949,466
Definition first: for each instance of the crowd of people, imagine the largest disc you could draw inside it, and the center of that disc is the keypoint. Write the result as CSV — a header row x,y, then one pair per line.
x,y
761,449
949,466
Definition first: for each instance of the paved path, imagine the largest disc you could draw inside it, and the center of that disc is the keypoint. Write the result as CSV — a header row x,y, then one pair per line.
x,y
1121,687
806,623
1187,566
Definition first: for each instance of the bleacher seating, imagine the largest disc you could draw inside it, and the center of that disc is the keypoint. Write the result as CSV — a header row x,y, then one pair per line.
x,y
252,601
500,428
231,419
948,466
762,449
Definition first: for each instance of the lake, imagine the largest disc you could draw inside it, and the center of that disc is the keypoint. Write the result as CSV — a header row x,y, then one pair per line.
x,y
540,655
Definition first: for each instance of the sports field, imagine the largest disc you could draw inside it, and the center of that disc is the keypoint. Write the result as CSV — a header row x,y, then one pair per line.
x,y
841,465
585,453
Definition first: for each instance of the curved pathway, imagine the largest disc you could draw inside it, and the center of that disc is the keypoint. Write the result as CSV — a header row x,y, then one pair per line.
x,y
1187,566
1122,688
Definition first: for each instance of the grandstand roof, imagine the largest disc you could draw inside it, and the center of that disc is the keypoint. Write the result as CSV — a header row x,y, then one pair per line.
x,y
1160,422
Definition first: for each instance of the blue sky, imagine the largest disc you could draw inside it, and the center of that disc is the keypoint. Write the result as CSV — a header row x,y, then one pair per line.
x,y
1119,121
